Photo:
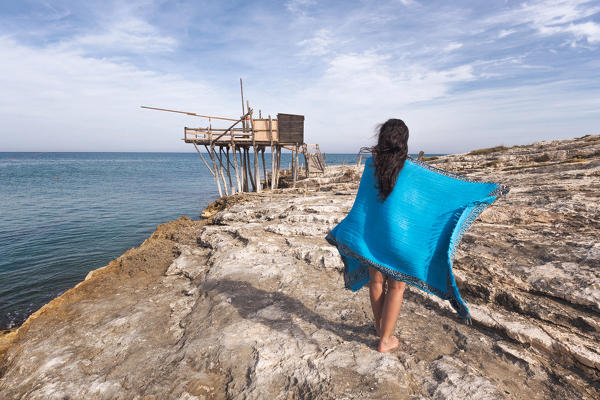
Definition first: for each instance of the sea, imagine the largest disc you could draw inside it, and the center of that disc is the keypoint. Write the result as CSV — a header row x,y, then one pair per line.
x,y
65,214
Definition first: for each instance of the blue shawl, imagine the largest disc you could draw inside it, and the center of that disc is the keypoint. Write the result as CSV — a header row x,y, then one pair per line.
x,y
413,234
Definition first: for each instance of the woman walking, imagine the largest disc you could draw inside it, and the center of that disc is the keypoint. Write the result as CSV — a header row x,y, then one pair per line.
x,y
406,222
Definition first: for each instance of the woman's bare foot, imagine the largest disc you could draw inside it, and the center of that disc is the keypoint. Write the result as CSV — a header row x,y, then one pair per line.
x,y
377,328
388,344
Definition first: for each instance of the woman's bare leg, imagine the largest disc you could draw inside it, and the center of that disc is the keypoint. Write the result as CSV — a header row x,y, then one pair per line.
x,y
376,283
391,309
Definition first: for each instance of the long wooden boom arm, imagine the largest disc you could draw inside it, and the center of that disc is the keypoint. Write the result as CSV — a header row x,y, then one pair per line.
x,y
190,113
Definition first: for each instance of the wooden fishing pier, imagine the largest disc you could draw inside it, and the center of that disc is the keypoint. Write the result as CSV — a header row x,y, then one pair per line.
x,y
233,151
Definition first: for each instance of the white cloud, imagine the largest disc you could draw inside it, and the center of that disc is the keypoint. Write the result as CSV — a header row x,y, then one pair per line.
x,y
71,98
358,90
318,45
454,122
587,30
453,46
556,12
506,116
506,32
63,101
298,6
550,17
369,72
131,34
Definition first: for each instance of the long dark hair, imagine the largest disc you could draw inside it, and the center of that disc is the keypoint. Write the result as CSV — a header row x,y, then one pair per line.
x,y
389,154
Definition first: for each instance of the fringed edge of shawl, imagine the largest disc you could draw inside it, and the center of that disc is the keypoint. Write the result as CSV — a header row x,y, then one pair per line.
x,y
456,300
501,190
395,275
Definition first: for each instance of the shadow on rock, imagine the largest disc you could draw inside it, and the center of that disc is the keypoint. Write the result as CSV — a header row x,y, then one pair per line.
x,y
278,311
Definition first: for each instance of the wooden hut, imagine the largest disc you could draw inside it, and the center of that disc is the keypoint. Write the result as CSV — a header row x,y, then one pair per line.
x,y
229,148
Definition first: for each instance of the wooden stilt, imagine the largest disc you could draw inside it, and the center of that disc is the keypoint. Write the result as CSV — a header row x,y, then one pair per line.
x,y
205,163
220,158
295,161
244,175
237,172
223,159
306,159
272,153
255,147
249,169
228,172
294,167
243,165
214,164
275,171
256,170
277,165
262,153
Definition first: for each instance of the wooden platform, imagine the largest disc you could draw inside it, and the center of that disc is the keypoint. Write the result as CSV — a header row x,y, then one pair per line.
x,y
234,151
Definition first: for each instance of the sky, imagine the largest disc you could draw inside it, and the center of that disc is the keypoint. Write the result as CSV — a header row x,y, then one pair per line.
x,y
461,74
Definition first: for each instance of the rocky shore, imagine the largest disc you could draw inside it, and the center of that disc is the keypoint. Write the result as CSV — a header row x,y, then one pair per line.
x,y
249,302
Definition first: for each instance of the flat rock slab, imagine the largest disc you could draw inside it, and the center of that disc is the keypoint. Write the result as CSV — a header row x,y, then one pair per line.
x,y
250,304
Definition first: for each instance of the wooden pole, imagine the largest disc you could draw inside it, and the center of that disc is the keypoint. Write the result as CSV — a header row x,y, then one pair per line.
x,y
277,165
262,153
218,172
294,168
307,160
244,175
256,168
274,172
242,93
212,157
279,148
297,167
243,164
235,164
229,173
190,113
230,129
252,182
237,175
272,153
221,170
243,110
205,163
297,161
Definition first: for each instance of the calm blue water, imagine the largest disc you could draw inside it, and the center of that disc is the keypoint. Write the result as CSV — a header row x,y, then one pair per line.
x,y
64,214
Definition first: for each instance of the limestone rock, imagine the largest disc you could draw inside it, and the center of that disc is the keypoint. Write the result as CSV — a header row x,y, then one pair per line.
x,y
249,304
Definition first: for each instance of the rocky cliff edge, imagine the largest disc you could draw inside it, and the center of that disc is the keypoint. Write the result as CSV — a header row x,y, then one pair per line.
x,y
249,303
